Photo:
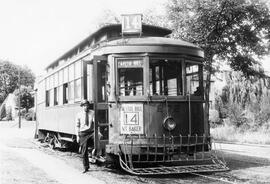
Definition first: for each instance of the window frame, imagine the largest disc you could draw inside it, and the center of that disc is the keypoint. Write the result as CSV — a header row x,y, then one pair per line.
x,y
78,77
200,78
182,64
59,81
183,60
144,59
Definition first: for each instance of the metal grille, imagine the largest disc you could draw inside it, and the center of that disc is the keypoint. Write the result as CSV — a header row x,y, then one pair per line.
x,y
174,169
183,154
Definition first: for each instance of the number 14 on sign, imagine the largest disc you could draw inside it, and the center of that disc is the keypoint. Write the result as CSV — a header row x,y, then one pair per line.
x,y
131,118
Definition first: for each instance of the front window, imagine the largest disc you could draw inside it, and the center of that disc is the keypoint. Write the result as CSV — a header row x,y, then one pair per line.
x,y
165,77
130,77
193,79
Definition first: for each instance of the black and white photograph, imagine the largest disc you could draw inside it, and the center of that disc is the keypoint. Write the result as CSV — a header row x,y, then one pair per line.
x,y
134,91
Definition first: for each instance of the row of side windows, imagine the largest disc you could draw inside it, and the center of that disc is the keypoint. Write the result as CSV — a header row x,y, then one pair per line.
x,y
64,86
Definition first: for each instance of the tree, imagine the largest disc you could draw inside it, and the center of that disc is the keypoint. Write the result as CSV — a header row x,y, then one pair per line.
x,y
27,77
236,32
27,99
9,78
153,17
246,102
108,17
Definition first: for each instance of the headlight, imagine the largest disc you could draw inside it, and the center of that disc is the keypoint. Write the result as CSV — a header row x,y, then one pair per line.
x,y
169,123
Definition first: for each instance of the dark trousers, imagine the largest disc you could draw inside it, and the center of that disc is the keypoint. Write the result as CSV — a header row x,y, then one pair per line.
x,y
86,140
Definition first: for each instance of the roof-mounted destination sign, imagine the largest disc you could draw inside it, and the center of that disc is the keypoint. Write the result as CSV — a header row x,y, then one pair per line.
x,y
131,24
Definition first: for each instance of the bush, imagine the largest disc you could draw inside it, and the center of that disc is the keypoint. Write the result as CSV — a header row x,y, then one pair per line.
x,y
224,132
230,133
239,117
214,119
246,102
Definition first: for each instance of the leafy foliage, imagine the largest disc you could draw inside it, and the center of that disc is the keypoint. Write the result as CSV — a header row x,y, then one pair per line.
x,y
152,17
245,102
234,31
9,78
27,99
108,17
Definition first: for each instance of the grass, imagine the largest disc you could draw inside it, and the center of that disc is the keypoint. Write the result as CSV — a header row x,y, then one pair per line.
x,y
232,134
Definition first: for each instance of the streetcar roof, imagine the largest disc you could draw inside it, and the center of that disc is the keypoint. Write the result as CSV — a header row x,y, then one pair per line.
x,y
152,45
153,41
111,31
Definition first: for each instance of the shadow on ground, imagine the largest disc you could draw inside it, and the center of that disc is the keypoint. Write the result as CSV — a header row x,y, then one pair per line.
x,y
237,161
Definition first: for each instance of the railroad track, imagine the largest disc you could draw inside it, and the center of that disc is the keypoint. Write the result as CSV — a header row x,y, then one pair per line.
x,y
194,178
221,179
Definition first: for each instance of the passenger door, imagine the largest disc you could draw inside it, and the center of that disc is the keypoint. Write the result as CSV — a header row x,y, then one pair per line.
x,y
100,99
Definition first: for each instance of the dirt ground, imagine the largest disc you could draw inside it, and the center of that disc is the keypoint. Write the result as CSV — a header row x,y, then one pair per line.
x,y
25,160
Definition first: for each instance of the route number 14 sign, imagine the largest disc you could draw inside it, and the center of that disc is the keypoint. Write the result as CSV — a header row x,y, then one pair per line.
x,y
131,119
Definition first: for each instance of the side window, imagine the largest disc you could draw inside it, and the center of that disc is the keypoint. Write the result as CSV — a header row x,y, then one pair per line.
x,y
65,85
130,77
56,96
78,89
71,83
49,94
41,96
65,93
47,103
60,88
71,91
51,97
78,81
55,89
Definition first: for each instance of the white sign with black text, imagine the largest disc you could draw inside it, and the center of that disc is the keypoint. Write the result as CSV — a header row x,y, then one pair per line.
x,y
131,119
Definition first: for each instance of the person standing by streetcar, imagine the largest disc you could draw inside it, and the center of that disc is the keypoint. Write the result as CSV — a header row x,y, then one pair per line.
x,y
85,131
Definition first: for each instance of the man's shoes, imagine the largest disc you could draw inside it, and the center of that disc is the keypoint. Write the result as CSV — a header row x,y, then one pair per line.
x,y
92,160
85,170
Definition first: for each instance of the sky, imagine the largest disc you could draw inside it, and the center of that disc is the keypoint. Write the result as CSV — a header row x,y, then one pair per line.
x,y
37,32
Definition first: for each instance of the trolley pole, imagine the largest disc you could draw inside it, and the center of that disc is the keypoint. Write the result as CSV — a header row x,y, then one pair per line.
x,y
19,99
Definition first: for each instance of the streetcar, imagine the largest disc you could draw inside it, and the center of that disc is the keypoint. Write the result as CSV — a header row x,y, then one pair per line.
x,y
147,93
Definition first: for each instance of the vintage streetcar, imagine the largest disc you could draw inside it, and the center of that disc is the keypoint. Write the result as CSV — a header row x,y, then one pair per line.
x,y
147,93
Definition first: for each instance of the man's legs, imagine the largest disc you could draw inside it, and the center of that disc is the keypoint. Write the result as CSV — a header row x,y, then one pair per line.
x,y
84,150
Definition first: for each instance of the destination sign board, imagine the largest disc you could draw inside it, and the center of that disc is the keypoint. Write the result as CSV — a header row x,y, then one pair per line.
x,y
130,63
131,119
131,24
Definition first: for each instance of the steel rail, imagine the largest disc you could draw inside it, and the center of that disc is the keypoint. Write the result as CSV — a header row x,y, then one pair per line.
x,y
213,178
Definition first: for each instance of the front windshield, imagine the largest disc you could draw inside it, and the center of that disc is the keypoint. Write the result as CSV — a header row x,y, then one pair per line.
x,y
130,77
172,77
165,77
